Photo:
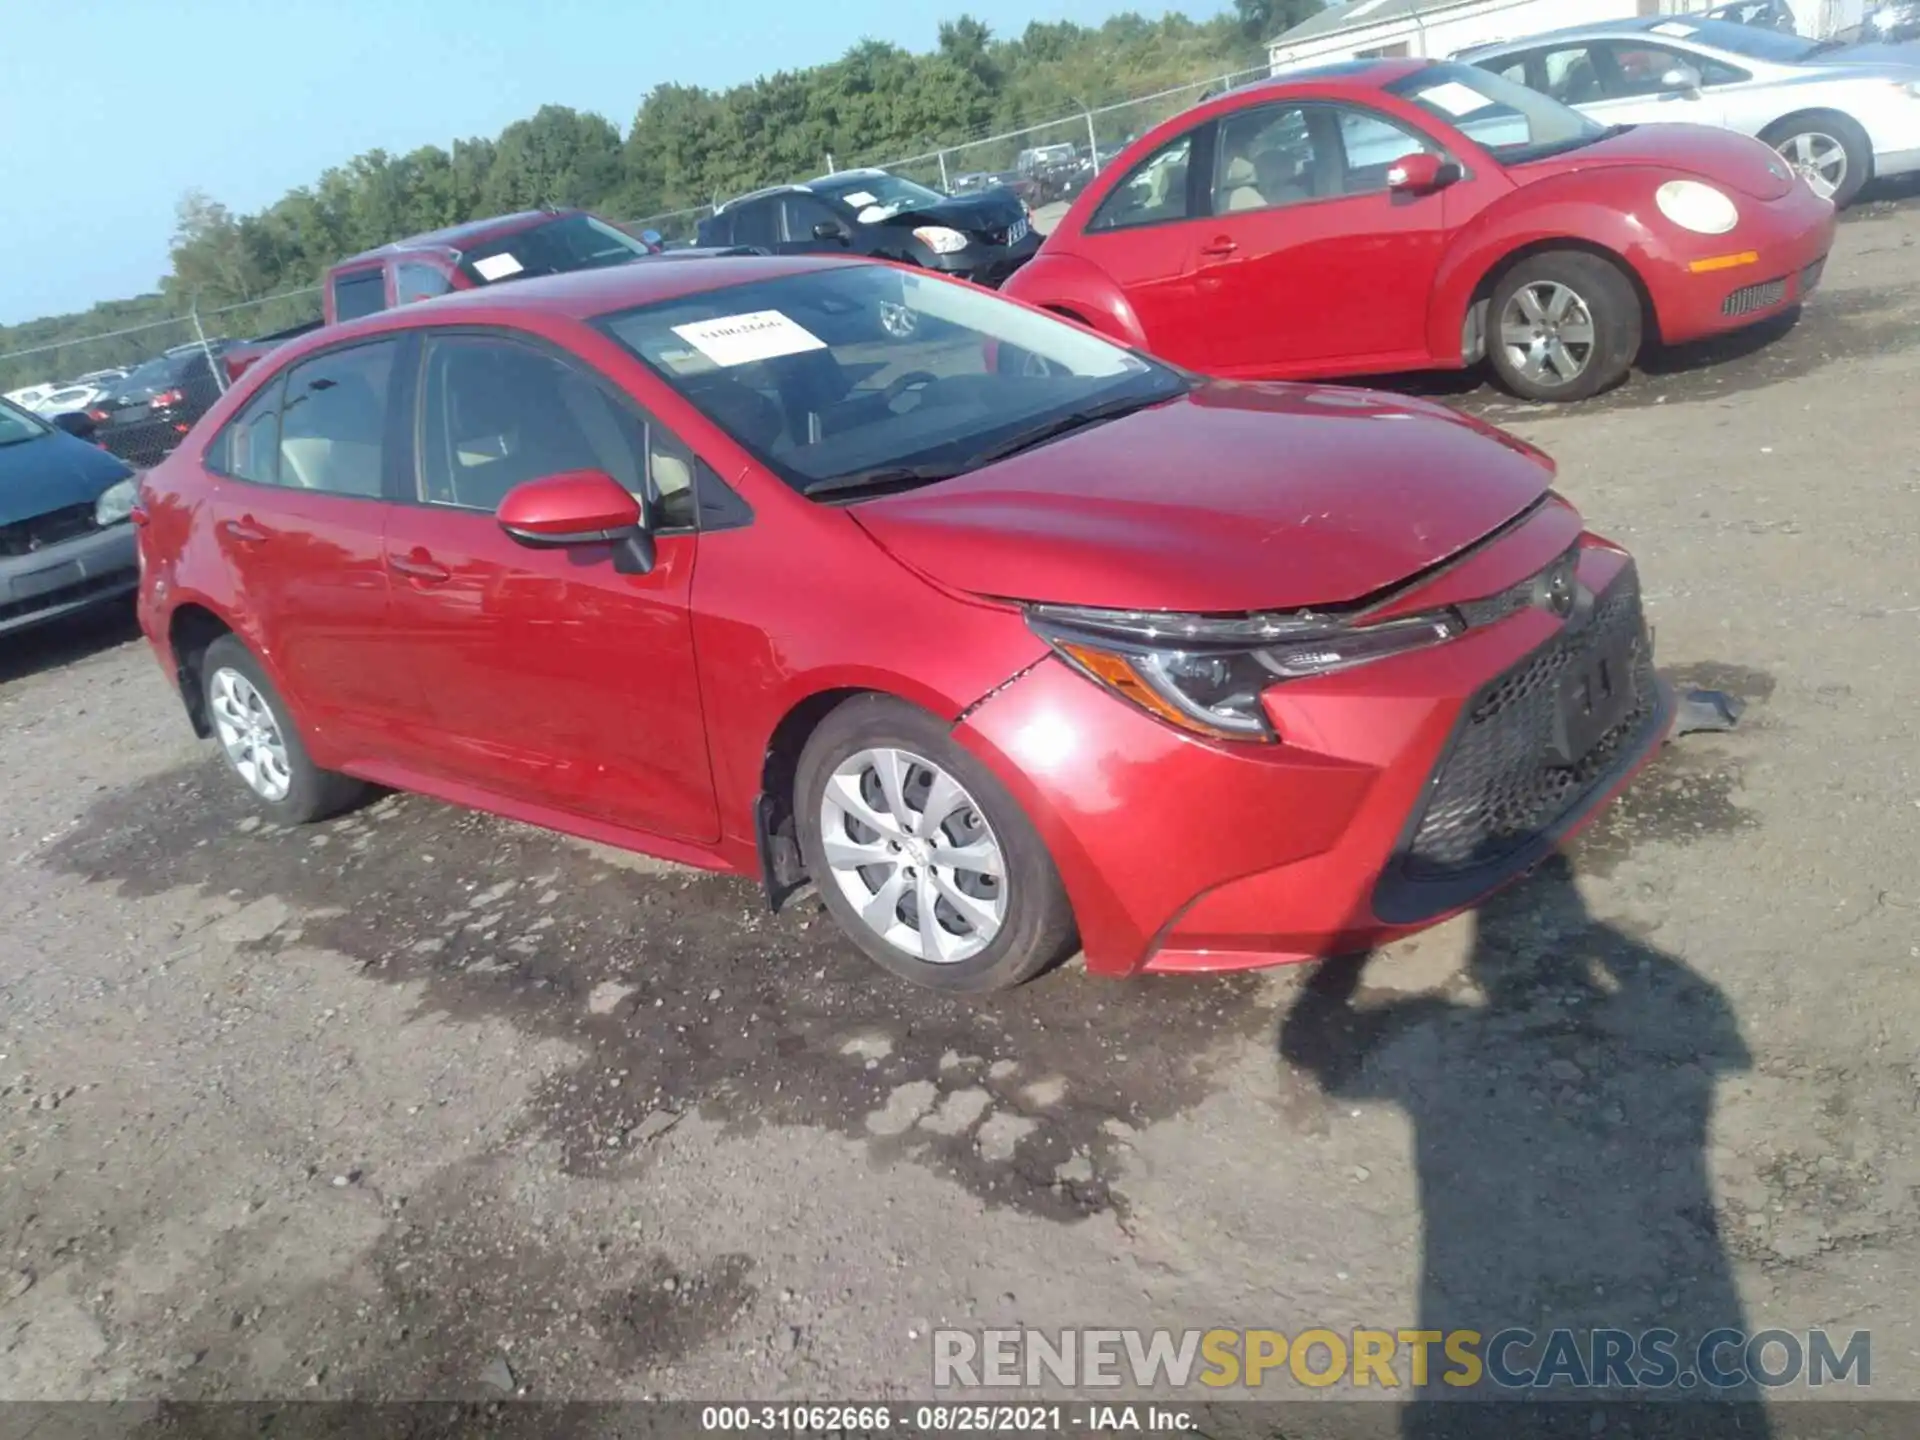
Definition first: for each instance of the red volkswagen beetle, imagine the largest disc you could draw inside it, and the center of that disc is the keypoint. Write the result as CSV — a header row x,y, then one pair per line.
x,y
1399,215
1006,636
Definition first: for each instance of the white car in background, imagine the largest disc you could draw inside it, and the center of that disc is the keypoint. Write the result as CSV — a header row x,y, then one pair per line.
x,y
1840,114
28,396
67,399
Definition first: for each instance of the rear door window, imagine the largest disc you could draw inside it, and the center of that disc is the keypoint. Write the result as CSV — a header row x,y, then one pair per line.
x,y
364,292
248,448
415,281
333,421
756,223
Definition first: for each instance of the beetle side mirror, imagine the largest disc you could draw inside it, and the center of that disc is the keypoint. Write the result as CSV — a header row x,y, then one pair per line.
x,y
653,240
1421,173
579,507
1680,80
76,423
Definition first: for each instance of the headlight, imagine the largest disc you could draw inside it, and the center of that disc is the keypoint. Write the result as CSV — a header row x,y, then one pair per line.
x,y
116,504
940,239
1206,675
1696,207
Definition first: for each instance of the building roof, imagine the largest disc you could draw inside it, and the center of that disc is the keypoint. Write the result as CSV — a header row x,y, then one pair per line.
x,y
1360,15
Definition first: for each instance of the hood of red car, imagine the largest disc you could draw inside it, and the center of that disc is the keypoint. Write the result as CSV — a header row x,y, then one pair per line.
x,y
1234,497
1720,157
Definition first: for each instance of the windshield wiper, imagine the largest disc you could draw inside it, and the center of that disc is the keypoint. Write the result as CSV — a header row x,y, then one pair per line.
x,y
881,479
1064,424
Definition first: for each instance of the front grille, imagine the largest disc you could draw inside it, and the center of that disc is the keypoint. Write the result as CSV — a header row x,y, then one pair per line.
x,y
1749,298
23,537
1810,276
1497,787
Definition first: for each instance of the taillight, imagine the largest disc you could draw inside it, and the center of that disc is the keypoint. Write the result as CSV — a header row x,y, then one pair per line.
x,y
168,397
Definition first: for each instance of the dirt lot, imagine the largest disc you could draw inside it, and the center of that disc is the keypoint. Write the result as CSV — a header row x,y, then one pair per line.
x,y
388,1107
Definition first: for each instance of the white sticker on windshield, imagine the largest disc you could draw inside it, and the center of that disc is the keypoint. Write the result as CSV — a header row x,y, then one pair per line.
x,y
742,339
873,214
1455,98
858,198
1676,29
498,267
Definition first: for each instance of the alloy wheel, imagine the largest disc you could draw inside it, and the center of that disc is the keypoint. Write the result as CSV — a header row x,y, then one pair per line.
x,y
250,733
1548,333
913,855
1821,158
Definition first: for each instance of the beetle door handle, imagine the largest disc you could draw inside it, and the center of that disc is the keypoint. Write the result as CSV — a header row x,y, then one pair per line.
x,y
244,530
1218,249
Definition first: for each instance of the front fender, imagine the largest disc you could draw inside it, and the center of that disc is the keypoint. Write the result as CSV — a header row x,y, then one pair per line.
x,y
1080,290
1559,208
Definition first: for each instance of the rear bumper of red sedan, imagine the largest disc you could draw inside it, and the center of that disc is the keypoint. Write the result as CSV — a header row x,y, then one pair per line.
x,y
1768,263
1402,792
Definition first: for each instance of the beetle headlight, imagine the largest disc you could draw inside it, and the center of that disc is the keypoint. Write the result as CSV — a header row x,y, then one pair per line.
x,y
1696,207
1206,674
116,503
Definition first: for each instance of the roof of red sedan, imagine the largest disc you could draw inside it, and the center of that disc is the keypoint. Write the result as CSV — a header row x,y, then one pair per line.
x,y
457,237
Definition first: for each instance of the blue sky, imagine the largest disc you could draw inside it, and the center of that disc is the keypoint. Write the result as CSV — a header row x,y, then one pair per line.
x,y
109,109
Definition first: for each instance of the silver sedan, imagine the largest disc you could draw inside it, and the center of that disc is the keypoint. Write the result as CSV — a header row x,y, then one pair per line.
x,y
1840,114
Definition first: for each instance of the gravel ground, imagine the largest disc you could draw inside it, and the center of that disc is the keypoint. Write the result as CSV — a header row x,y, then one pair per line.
x,y
421,1103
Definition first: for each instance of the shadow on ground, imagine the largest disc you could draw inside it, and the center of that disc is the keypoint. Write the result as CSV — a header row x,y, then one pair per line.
x,y
1560,1099
66,641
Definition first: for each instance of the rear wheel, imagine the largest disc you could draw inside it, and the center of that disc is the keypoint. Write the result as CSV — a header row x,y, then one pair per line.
x,y
262,747
1564,325
922,856
1830,150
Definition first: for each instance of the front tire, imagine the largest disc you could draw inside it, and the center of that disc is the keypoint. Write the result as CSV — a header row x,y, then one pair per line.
x,y
922,856
1830,150
1563,325
261,744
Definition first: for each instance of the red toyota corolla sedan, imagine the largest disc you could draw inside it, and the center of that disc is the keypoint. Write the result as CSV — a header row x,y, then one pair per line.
x,y
1393,215
1007,637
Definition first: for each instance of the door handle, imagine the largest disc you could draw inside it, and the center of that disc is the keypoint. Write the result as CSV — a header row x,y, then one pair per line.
x,y
1218,249
245,531
419,566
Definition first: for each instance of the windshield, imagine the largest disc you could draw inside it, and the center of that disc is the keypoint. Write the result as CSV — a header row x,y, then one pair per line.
x,y
1514,124
17,425
877,196
154,374
572,242
840,379
1775,45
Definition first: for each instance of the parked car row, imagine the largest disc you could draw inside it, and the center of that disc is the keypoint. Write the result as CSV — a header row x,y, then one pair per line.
x,y
984,236
1394,215
1840,114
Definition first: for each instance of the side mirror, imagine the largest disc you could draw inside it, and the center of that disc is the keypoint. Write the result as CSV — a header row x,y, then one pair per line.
x,y
76,423
652,239
579,507
829,230
1681,79
1421,173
